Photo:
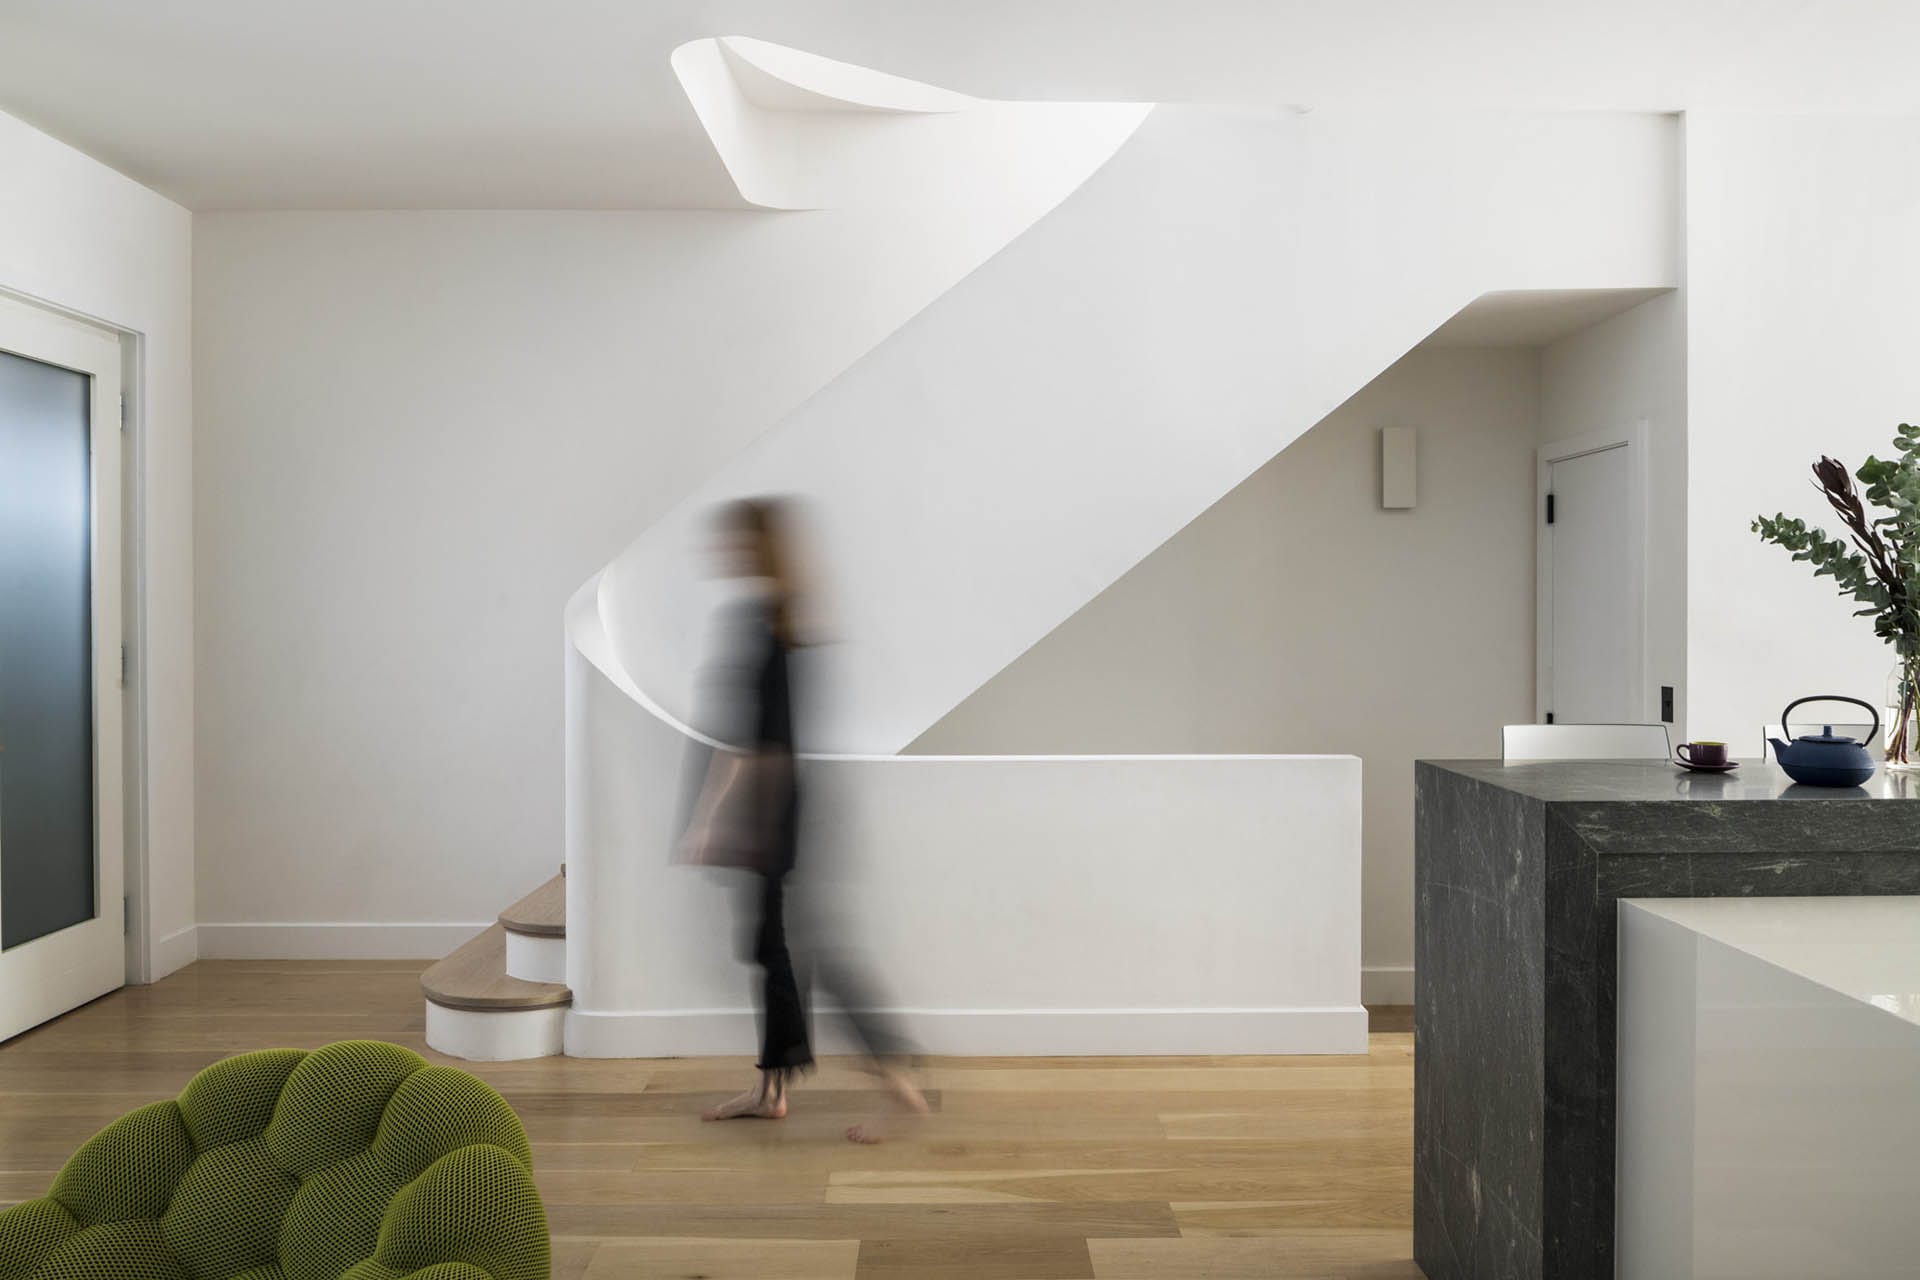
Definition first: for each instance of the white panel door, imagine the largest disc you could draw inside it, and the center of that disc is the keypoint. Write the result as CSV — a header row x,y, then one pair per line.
x,y
1595,609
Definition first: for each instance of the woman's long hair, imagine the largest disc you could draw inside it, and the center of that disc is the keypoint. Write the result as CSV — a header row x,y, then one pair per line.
x,y
767,525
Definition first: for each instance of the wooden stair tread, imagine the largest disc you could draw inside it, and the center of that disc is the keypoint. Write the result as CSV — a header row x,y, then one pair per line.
x,y
542,913
475,977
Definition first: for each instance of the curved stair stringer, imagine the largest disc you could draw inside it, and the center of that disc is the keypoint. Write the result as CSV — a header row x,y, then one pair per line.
x,y
628,763
1219,287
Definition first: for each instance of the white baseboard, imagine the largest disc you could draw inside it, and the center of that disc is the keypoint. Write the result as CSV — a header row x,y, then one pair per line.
x,y
173,952
685,1033
1386,984
325,941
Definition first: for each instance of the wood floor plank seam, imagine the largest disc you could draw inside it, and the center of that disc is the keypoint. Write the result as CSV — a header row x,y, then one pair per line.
x,y
1032,1169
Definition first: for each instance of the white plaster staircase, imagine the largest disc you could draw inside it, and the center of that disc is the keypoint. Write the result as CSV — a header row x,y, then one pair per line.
x,y
503,995
1222,242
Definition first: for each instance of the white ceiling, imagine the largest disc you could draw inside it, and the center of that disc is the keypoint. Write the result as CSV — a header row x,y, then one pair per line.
x,y
571,103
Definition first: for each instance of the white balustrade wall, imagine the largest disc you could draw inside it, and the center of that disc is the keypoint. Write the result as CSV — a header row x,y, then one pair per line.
x,y
1006,905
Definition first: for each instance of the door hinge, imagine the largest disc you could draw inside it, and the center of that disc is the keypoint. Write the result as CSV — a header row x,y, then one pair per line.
x,y
126,915
1549,717
123,666
123,413
1549,508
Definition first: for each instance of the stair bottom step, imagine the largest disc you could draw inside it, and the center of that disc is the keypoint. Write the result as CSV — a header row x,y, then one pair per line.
x,y
496,1035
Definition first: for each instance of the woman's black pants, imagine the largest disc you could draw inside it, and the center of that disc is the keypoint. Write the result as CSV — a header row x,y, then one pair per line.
x,y
783,1034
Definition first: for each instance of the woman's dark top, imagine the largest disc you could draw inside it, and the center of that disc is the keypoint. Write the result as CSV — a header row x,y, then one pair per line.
x,y
759,697
773,685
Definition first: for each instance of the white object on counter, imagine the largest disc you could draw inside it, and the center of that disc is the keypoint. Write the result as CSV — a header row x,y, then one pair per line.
x,y
1768,1119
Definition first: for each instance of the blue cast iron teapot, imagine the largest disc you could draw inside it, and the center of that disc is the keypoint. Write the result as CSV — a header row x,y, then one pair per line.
x,y
1826,759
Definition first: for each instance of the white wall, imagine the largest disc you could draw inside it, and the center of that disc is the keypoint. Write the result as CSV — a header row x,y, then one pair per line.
x,y
1803,270
1296,615
79,236
1632,368
420,432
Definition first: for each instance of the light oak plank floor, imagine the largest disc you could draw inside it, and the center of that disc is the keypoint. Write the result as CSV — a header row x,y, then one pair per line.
x,y
1030,1169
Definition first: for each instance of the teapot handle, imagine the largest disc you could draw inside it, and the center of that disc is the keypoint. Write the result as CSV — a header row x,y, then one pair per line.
x,y
1832,697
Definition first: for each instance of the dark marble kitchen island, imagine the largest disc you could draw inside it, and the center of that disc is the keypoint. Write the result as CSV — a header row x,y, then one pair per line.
x,y
1517,870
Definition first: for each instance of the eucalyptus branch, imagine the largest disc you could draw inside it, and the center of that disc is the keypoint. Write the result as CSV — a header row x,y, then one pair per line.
x,y
1878,564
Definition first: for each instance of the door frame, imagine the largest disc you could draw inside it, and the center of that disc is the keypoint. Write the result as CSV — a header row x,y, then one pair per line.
x,y
76,958
1632,437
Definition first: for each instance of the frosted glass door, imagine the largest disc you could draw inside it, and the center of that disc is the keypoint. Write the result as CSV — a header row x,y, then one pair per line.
x,y
63,842
47,865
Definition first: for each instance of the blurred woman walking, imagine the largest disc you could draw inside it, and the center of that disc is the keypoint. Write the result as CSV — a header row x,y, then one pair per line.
x,y
747,815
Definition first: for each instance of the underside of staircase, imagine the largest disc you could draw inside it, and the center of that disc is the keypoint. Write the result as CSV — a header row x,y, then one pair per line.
x,y
503,995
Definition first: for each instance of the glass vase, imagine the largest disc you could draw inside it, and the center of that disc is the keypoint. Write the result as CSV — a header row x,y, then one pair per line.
x,y
1903,712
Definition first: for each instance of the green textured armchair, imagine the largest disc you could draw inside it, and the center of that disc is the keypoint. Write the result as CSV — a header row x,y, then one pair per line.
x,y
353,1162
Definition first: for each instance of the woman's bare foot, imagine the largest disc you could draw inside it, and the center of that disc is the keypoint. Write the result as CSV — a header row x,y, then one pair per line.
x,y
765,1101
907,1101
